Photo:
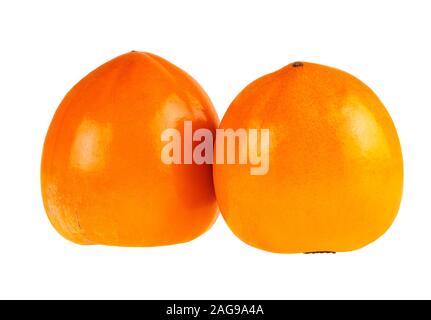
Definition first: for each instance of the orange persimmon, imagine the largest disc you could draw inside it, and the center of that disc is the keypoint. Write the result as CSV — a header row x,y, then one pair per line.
x,y
335,165
103,181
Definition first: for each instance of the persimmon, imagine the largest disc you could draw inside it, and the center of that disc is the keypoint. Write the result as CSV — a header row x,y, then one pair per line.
x,y
335,175
103,181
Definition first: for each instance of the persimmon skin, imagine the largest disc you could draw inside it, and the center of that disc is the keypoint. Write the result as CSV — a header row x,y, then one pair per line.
x,y
102,178
335,174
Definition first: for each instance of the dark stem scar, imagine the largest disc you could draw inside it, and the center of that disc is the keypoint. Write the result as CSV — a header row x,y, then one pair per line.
x,y
319,252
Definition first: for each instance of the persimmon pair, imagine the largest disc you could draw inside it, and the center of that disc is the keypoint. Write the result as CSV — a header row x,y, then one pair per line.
x,y
335,173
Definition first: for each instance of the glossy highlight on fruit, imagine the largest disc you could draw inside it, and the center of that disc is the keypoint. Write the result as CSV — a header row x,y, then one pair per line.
x,y
335,174
102,178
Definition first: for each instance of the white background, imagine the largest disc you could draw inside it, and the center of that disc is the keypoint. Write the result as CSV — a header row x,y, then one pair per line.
x,y
47,46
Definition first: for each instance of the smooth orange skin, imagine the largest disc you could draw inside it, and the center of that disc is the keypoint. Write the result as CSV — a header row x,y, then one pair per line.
x,y
335,165
103,181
